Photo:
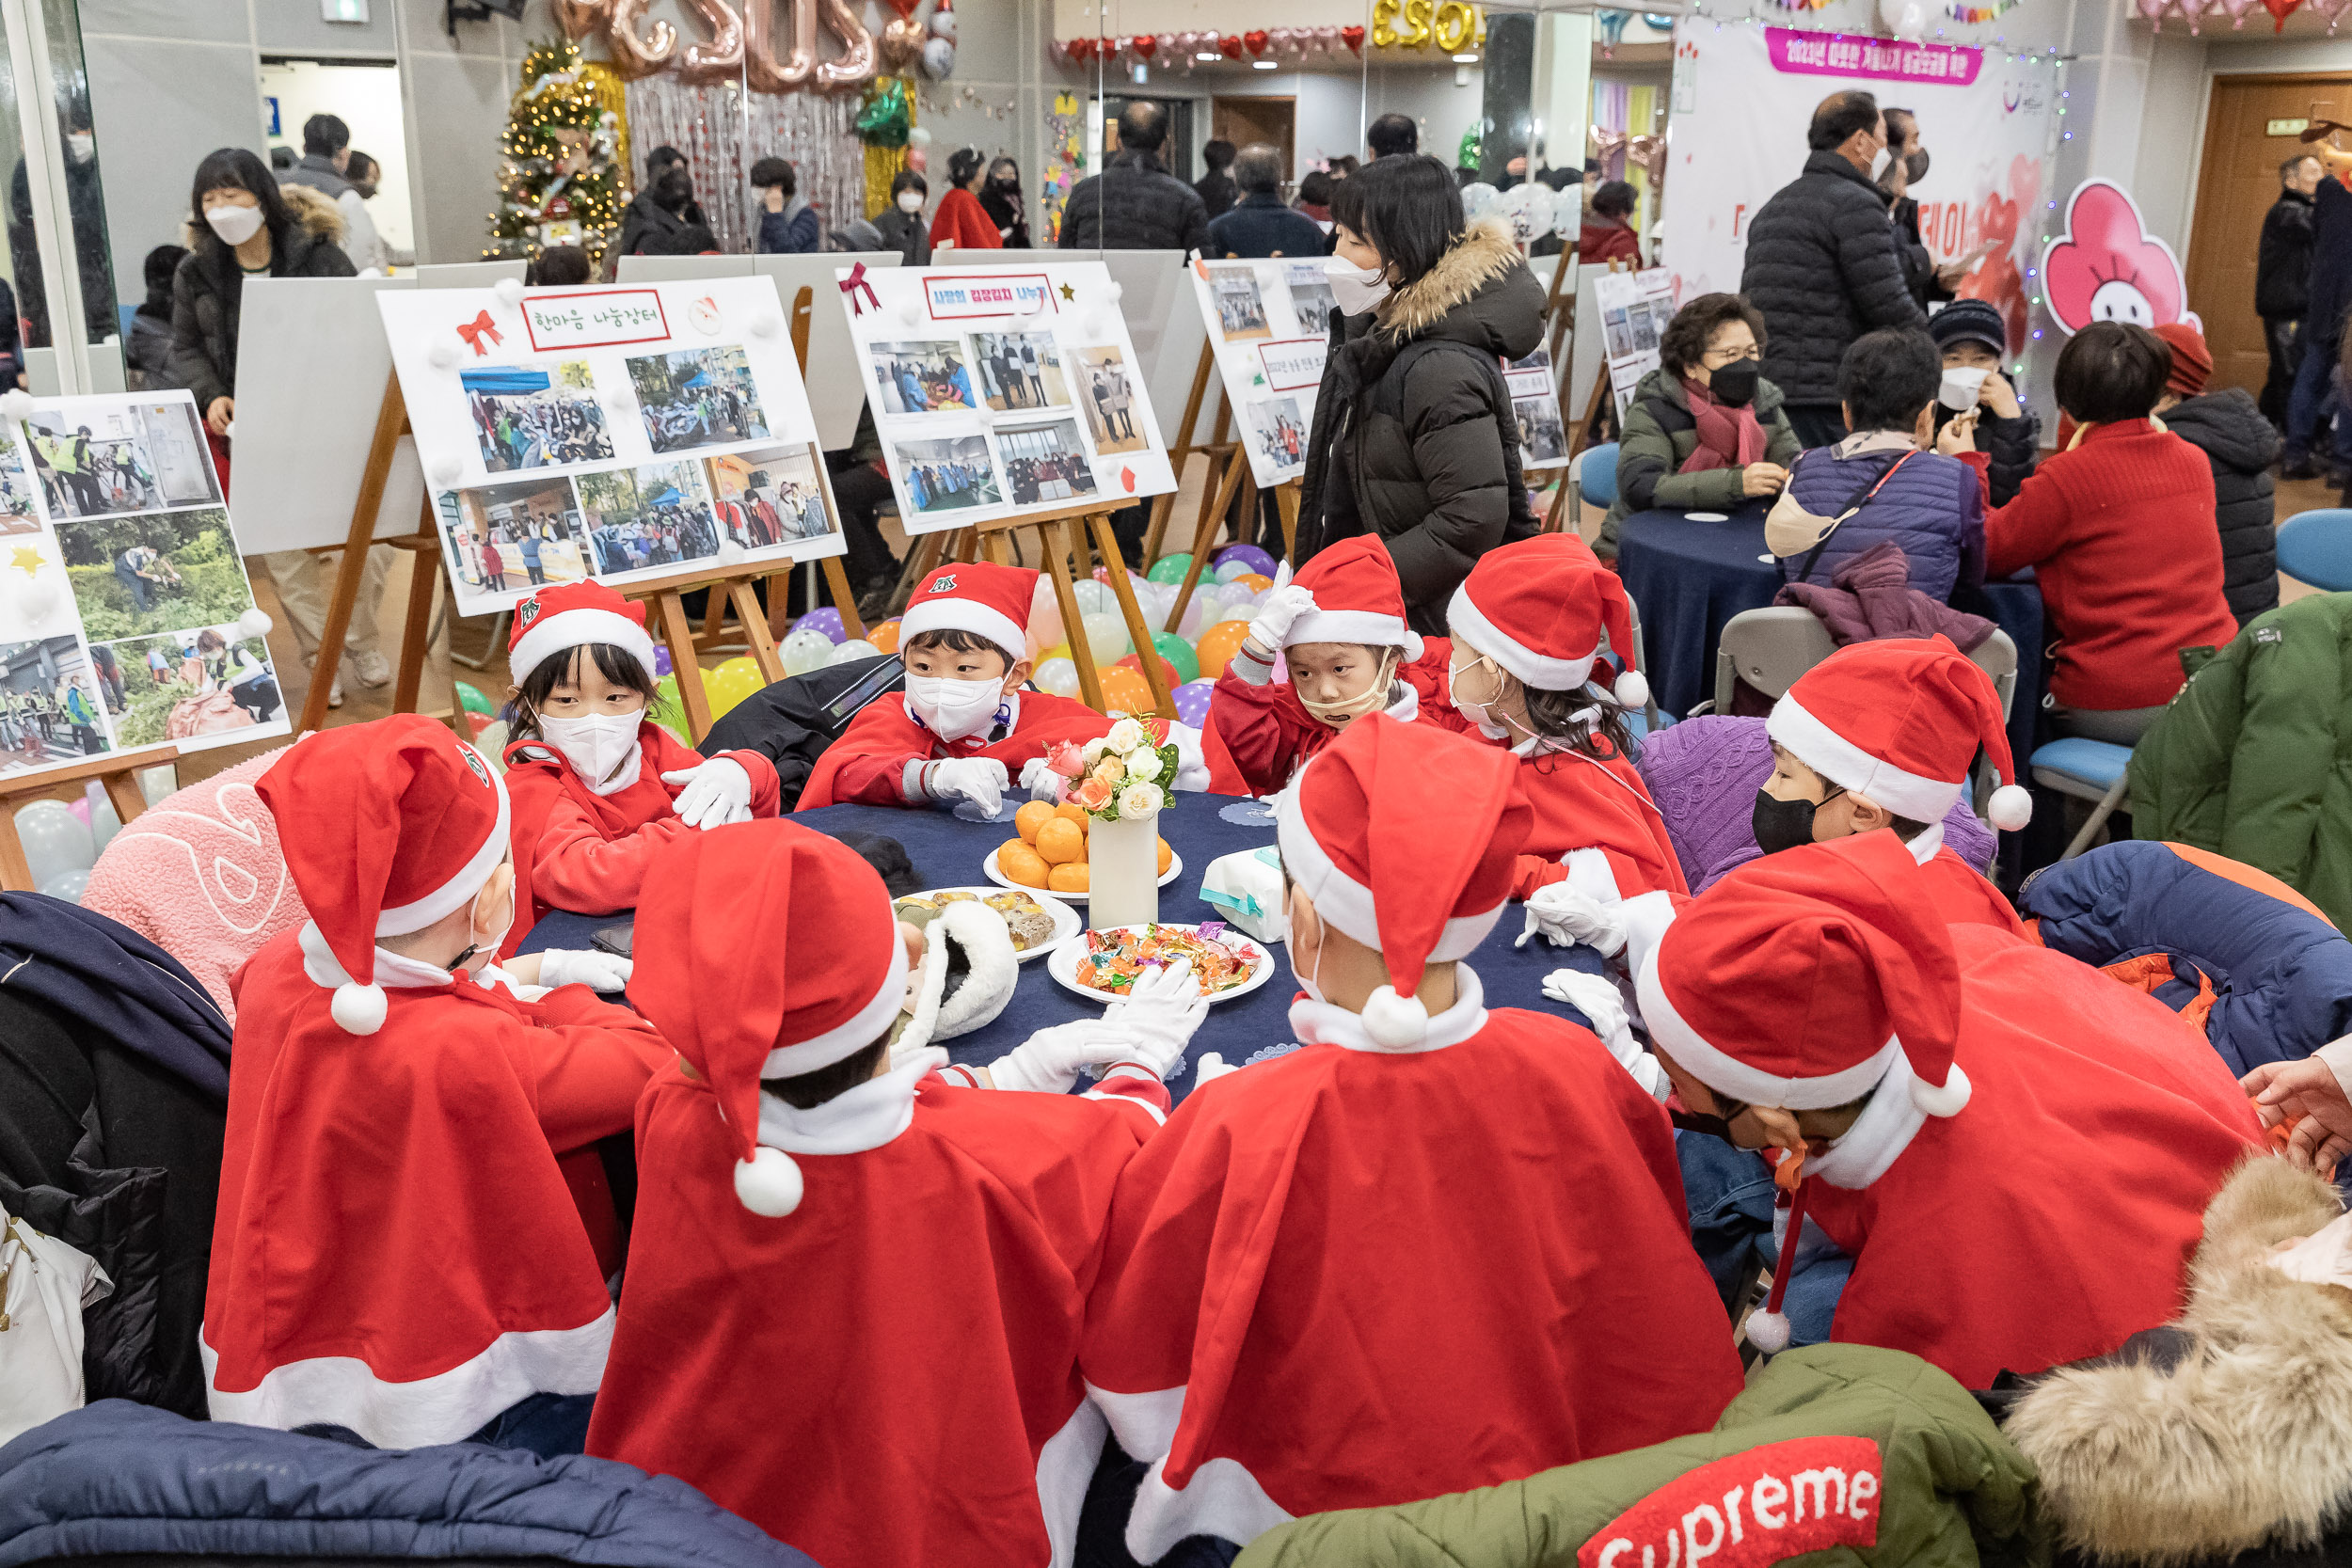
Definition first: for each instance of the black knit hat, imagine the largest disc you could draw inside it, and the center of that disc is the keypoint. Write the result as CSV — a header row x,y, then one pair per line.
x,y
1965,320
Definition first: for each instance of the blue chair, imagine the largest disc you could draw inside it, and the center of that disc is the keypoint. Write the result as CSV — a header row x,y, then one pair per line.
x,y
126,312
1594,472
2316,547
2094,771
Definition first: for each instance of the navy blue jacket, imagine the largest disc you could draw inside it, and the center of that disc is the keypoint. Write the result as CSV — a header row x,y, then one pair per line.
x,y
2283,976
2331,262
1258,226
789,232
1934,509
120,1478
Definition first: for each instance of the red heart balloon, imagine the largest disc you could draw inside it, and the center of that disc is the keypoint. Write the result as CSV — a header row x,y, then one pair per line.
x,y
1354,37
1145,45
1231,46
1256,40
2282,9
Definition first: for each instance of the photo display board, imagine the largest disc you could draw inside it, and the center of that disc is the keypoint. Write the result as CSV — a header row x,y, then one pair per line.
x,y
126,620
627,434
1635,307
1002,390
1536,405
1270,324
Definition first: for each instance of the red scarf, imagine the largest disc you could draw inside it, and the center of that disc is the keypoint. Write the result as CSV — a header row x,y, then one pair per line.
x,y
1728,437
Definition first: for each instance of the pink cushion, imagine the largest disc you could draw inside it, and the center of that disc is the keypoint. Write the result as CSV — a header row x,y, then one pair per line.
x,y
199,874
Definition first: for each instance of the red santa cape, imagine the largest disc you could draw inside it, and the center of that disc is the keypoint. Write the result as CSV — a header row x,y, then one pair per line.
x,y
1258,735
869,763
1596,827
1961,893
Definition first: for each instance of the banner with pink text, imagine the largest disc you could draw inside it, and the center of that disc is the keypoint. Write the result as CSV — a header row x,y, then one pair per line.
x,y
1743,94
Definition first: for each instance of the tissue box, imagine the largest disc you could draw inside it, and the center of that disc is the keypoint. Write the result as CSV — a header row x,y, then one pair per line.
x,y
1246,889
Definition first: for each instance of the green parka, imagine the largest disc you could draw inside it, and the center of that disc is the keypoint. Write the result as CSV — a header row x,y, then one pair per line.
x,y
1660,436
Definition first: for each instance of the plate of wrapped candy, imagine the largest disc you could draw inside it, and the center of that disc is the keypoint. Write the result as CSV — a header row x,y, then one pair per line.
x,y
1102,964
1038,923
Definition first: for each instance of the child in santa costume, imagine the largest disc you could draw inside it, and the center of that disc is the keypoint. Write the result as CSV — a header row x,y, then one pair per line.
x,y
1883,735
1437,1248
1987,1126
855,1288
395,1250
967,724
1339,637
1527,626
594,786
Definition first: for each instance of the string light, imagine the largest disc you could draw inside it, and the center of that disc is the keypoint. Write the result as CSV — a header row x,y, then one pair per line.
x,y
560,159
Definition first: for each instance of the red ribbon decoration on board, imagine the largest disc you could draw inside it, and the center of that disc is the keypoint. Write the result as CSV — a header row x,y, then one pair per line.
x,y
853,285
477,329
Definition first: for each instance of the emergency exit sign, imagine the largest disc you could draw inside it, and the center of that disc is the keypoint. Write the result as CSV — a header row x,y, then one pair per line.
x,y
2270,128
344,10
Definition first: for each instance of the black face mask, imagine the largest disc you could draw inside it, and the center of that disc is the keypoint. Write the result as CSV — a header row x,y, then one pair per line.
x,y
1915,166
1734,384
1784,824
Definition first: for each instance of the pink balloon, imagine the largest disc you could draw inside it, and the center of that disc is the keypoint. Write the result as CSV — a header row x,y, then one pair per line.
x,y
2332,9
80,809
2153,10
2240,9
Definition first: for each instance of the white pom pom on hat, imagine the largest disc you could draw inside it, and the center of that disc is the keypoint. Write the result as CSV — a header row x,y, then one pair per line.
x,y
768,1183
2011,808
1394,1020
1632,691
1768,1331
359,1009
1947,1100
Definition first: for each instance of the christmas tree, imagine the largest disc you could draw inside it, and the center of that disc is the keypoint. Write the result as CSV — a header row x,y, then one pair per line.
x,y
561,180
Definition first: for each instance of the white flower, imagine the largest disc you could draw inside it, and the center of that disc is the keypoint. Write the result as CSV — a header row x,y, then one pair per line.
x,y
1139,800
1144,765
1094,752
1125,736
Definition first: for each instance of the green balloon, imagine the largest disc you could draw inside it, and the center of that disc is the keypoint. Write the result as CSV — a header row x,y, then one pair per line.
x,y
473,700
1171,568
1178,652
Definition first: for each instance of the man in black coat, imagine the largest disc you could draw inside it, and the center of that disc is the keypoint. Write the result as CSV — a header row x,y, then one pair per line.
x,y
2283,278
1136,204
1261,225
1217,188
1823,264
2330,297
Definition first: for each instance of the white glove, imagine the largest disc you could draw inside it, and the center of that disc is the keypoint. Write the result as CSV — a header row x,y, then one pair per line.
x,y
1192,766
597,971
1567,917
1597,998
1280,609
976,785
717,792
1048,1062
1161,1010
1210,1066
1038,778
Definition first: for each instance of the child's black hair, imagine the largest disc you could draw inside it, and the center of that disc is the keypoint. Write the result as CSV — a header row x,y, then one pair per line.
x,y
1549,714
808,1090
960,641
617,665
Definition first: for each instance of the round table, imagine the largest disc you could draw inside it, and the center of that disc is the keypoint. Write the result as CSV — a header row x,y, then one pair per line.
x,y
1687,578
947,852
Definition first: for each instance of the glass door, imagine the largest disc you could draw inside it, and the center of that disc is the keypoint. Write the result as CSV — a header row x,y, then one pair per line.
x,y
60,329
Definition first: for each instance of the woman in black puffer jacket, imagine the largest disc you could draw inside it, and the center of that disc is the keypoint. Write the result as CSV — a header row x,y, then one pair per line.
x,y
1414,437
2228,428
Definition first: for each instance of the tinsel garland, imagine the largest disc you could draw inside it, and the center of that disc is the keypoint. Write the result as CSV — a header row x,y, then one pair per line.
x,y
723,134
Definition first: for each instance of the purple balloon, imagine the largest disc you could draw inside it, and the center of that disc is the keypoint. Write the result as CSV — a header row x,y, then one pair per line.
x,y
661,661
1192,701
1258,560
827,620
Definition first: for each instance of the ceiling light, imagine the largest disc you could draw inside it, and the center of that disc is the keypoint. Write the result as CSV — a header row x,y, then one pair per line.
x,y
1465,60
1208,55
1262,64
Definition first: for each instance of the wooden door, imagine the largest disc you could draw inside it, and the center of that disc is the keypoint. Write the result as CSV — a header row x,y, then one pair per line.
x,y
1243,120
2250,131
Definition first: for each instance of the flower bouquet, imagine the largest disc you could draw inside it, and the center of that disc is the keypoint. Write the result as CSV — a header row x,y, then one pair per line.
x,y
1121,781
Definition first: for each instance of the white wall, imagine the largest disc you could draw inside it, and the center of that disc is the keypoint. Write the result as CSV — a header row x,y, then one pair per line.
x,y
368,98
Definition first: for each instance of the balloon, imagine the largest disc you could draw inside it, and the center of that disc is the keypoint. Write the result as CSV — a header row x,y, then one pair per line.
x,y
1218,645
474,701
1106,635
1058,676
1171,568
938,59
1196,615
803,651
1045,627
1528,207
729,683
1478,198
55,841
1167,670
1192,703
661,660
1257,582
1258,560
669,709
885,637
1047,656
1177,653
103,823
1228,569
1908,19
80,809
857,647
827,620
478,722
1125,690
68,885
1094,599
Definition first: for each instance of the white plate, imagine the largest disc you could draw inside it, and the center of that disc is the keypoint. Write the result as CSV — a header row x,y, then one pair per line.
x,y
1707,517
1063,965
1068,923
988,867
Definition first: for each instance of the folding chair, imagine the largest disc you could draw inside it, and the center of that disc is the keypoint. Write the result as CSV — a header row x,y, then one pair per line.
x,y
2316,547
1769,649
2094,771
1594,473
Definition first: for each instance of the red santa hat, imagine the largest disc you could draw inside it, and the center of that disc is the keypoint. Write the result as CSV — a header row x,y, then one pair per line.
x,y
557,620
980,597
834,979
1538,607
1406,837
1899,720
388,828
1358,599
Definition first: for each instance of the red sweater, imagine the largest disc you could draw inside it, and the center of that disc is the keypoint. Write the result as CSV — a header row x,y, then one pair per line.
x,y
2120,530
963,222
1604,241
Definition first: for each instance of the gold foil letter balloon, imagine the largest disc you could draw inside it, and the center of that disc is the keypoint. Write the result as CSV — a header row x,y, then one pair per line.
x,y
855,68
635,56
580,18
722,59
762,67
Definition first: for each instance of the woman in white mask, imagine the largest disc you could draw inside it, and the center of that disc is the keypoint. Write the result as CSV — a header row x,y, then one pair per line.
x,y
902,226
1415,439
594,786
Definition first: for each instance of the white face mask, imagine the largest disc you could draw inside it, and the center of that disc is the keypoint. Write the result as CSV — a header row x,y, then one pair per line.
x,y
83,145
484,948
909,201
951,708
234,225
1354,290
1480,713
1306,982
596,745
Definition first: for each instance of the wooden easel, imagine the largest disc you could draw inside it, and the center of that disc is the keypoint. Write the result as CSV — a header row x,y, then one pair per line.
x,y
1182,449
1237,476
117,771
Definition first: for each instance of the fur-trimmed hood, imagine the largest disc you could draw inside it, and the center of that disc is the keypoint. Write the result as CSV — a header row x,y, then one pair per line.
x,y
2237,1430
313,212
1473,293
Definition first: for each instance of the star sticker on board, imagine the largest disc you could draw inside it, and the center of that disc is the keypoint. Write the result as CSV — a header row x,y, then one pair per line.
x,y
1068,292
1257,379
25,558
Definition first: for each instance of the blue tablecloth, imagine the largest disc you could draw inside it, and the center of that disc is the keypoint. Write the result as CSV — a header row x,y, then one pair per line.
x,y
1688,579
947,852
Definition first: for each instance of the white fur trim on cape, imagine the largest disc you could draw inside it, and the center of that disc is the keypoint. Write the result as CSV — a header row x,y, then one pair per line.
x,y
1726,1074
853,1121
1842,762
443,1408
1540,670
1368,627
1879,1136
953,614
1224,1500
1321,1024
1346,902
854,1033
577,629
1065,1467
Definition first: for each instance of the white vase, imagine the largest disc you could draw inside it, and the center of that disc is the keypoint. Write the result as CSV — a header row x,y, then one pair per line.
x,y
1124,872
